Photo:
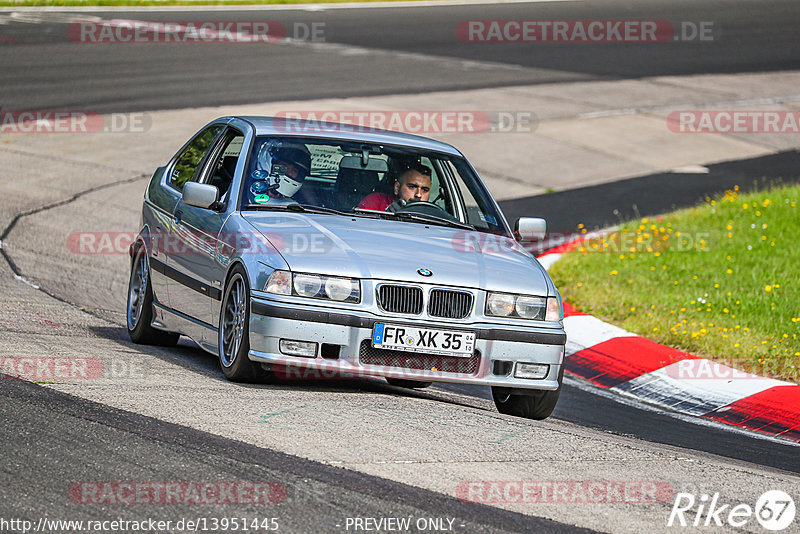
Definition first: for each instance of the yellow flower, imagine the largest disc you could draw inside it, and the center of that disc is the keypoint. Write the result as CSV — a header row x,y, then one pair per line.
x,y
767,288
729,271
614,272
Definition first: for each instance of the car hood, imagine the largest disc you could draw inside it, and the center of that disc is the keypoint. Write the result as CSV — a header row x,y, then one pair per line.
x,y
394,250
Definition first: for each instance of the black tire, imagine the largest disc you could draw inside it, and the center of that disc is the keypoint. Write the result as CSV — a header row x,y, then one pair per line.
x,y
234,331
411,384
139,309
531,405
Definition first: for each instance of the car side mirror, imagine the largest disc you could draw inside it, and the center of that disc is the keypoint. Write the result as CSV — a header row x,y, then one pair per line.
x,y
200,195
530,229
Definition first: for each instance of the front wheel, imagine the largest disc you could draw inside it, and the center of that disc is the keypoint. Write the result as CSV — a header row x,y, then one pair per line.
x,y
536,405
140,306
234,332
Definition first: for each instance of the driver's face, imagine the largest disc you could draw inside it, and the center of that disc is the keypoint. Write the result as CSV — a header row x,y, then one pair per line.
x,y
413,185
292,170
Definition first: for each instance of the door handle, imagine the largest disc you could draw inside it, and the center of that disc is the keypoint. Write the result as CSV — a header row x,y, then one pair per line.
x,y
178,215
156,240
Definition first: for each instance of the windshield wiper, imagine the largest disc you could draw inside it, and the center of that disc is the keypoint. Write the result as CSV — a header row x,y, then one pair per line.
x,y
411,216
300,208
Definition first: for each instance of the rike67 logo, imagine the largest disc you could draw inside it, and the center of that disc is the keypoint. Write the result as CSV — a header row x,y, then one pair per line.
x,y
774,510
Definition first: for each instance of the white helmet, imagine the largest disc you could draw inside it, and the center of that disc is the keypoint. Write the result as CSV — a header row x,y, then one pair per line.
x,y
273,161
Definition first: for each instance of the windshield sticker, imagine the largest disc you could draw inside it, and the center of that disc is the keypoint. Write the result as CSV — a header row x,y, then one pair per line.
x,y
325,159
487,218
261,199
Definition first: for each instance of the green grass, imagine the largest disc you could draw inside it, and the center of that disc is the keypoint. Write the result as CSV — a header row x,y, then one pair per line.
x,y
721,280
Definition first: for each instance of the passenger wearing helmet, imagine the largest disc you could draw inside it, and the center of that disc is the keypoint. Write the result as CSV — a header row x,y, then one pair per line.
x,y
281,168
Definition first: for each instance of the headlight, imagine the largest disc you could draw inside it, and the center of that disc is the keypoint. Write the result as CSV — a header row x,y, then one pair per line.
x,y
307,285
500,304
314,286
341,288
523,307
531,307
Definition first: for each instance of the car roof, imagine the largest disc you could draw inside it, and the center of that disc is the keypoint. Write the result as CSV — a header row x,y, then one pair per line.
x,y
326,130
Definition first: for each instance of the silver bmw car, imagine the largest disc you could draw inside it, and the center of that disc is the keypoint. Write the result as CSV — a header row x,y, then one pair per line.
x,y
284,246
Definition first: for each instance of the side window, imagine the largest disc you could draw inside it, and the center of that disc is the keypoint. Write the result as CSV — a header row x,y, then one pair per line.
x,y
222,171
189,160
480,212
437,193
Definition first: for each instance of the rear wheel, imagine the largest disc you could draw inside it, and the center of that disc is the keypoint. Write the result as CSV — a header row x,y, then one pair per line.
x,y
140,306
411,384
530,404
234,333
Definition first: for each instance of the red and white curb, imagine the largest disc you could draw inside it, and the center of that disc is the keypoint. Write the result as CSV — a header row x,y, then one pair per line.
x,y
628,364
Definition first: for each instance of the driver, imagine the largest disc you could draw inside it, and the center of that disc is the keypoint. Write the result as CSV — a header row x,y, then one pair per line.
x,y
412,185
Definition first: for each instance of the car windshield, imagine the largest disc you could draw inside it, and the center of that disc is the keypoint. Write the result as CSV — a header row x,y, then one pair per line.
x,y
358,179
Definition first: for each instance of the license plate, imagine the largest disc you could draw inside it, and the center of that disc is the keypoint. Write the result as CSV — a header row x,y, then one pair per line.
x,y
414,339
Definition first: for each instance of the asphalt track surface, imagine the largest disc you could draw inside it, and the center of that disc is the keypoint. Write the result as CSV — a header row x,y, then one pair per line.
x,y
315,497
42,69
377,51
644,196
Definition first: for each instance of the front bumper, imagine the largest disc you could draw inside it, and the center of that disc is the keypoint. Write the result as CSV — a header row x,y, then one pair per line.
x,y
345,335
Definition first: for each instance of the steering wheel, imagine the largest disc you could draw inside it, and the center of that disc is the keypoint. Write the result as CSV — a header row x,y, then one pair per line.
x,y
424,207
